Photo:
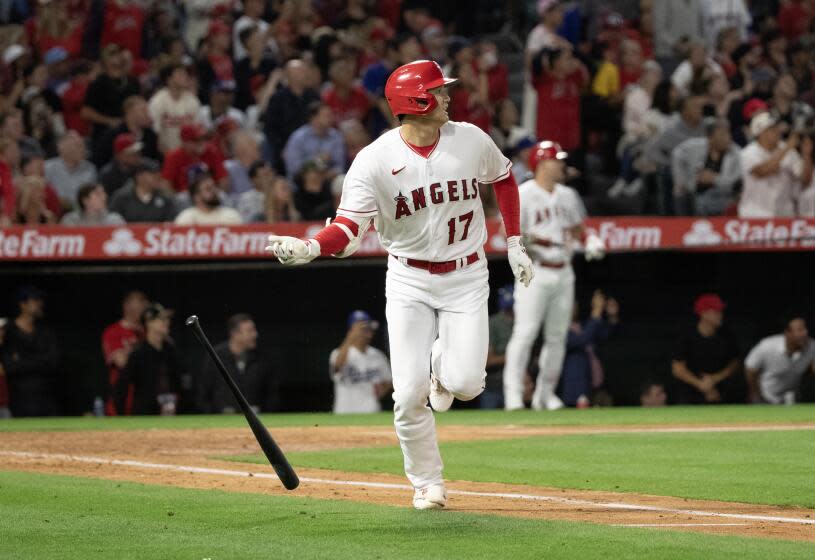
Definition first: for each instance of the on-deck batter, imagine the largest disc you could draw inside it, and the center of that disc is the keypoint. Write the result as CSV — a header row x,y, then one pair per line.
x,y
552,217
420,185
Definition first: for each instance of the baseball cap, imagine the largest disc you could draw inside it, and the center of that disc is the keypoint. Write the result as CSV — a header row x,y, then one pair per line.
x,y
126,142
218,27
546,5
12,53
523,144
761,122
192,132
360,316
155,311
26,293
55,55
753,107
708,302
146,166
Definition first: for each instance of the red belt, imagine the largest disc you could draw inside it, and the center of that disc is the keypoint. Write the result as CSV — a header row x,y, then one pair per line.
x,y
442,267
549,264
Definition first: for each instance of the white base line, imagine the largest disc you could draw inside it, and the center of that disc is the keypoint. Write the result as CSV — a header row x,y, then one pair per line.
x,y
391,486
681,525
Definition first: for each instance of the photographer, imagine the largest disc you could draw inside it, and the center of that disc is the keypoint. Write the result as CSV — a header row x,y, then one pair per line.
x,y
772,170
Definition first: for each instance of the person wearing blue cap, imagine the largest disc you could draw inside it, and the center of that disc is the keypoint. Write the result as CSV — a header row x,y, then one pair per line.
x,y
361,373
30,357
500,332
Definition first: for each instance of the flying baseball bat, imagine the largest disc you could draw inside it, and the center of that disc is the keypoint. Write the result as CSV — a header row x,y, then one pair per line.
x,y
278,461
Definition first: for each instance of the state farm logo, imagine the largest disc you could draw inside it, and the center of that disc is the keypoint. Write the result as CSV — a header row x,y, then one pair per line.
x,y
122,242
701,233
624,236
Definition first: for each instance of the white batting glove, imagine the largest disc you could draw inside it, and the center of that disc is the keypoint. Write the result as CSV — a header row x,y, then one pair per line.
x,y
595,248
291,250
519,261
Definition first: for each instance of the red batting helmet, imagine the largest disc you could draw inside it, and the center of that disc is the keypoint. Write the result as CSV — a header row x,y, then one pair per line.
x,y
543,151
407,87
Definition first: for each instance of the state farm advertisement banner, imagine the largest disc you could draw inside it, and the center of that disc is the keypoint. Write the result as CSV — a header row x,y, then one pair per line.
x,y
168,242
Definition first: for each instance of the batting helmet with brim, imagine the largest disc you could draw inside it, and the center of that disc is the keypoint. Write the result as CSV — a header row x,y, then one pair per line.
x,y
544,151
407,89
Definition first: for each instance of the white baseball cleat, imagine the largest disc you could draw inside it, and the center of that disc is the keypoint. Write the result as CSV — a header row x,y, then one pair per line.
x,y
440,398
430,497
550,402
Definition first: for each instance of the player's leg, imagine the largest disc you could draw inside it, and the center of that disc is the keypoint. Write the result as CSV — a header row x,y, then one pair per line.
x,y
412,329
464,338
529,308
555,328
460,352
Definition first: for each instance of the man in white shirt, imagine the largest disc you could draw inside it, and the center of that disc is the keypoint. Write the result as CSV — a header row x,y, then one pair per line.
x,y
173,106
775,366
71,170
207,208
772,171
360,372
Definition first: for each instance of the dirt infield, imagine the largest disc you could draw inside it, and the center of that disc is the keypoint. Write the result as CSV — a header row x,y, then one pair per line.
x,y
184,458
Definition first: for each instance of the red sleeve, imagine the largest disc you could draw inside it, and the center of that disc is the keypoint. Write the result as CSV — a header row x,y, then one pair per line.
x,y
8,195
215,162
509,203
333,239
169,170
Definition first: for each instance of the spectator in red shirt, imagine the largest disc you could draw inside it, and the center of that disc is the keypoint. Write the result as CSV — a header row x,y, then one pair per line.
x,y
53,26
194,149
345,97
118,340
559,79
470,101
123,25
794,18
9,158
497,73
73,98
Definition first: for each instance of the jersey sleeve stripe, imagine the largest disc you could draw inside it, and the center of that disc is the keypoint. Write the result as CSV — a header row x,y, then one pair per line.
x,y
504,175
368,213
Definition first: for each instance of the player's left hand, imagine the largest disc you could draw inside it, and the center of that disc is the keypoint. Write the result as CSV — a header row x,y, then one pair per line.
x,y
595,248
519,261
291,250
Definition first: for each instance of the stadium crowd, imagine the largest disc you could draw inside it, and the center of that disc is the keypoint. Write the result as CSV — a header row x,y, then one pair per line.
x,y
219,111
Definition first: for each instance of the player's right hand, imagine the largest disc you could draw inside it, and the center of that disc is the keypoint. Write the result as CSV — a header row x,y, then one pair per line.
x,y
291,250
519,261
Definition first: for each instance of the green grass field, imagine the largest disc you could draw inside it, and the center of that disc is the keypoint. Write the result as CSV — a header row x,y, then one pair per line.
x,y
49,516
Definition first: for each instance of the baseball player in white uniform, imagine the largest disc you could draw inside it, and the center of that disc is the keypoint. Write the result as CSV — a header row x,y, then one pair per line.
x,y
360,372
419,183
552,217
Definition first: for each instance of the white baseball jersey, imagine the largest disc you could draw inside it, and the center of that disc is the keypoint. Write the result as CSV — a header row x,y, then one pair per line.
x,y
549,216
779,371
771,196
354,382
425,208
169,115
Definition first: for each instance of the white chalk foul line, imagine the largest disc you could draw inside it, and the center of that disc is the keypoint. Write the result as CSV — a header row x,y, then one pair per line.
x,y
392,486
680,525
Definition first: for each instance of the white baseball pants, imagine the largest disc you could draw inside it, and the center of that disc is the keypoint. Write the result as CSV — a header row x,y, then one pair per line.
x,y
546,303
421,306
